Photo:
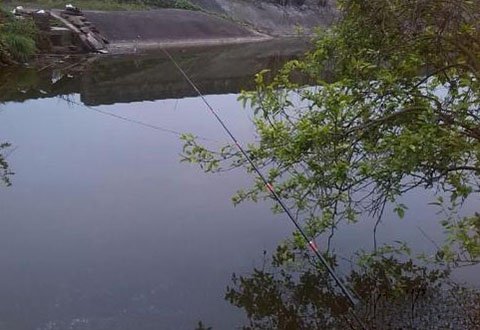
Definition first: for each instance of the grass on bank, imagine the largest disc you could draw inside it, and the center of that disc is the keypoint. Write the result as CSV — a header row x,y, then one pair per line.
x,y
104,4
17,38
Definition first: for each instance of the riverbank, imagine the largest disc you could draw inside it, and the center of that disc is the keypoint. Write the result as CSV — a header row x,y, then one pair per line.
x,y
216,22
132,31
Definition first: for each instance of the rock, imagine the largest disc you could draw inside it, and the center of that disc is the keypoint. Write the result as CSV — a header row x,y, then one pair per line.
x,y
42,20
61,37
19,10
86,35
76,20
94,42
70,9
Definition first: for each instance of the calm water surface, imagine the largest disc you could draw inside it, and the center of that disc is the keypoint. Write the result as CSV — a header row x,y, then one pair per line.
x,y
105,228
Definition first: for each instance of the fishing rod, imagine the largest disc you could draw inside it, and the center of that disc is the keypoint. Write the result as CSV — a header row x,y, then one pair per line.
x,y
271,189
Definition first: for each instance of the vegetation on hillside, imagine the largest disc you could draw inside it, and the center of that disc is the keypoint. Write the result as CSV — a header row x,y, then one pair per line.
x,y
179,4
108,4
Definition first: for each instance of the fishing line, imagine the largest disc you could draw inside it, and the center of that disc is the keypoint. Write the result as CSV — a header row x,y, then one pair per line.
x,y
133,121
271,189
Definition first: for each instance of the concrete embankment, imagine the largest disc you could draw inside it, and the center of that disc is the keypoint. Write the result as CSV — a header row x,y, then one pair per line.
x,y
219,22
167,27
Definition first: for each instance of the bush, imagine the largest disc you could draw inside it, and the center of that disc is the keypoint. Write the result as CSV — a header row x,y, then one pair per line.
x,y
19,47
17,38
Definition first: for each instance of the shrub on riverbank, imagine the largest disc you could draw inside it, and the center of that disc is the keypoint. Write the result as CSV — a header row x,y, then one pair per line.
x,y
17,38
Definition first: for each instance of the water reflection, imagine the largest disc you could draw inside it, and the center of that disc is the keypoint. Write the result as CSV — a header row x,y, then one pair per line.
x,y
394,290
104,228
120,79
5,172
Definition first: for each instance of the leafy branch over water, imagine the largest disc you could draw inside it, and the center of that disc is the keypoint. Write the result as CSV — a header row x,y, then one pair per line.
x,y
394,106
400,113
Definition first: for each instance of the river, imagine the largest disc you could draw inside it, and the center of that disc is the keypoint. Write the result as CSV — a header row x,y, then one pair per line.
x,y
105,228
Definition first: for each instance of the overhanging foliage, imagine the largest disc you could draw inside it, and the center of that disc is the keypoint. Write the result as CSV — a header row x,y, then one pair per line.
x,y
401,112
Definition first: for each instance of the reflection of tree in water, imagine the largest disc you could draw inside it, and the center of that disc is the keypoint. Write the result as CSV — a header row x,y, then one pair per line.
x,y
395,292
5,171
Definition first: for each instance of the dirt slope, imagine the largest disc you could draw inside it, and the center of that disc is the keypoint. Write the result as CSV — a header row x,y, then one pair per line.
x,y
165,25
297,17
